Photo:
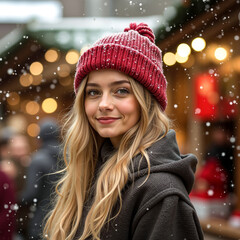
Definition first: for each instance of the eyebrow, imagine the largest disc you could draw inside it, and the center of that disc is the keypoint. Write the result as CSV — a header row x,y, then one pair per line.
x,y
111,84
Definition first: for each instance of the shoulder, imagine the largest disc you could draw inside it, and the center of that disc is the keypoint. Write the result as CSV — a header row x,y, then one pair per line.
x,y
41,159
161,193
153,193
156,187
160,189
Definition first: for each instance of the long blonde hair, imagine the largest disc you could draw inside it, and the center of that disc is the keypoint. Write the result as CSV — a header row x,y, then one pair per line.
x,y
81,150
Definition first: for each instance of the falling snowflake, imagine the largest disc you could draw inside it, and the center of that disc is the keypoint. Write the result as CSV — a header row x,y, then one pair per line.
x,y
210,192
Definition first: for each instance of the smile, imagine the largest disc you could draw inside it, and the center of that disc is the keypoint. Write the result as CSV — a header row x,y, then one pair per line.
x,y
106,120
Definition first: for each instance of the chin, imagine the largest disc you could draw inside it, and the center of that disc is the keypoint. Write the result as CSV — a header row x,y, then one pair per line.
x,y
107,134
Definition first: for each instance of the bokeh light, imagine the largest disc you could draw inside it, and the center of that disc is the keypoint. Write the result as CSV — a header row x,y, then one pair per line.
x,y
33,129
198,44
220,53
13,99
169,58
63,70
51,55
36,68
26,79
183,50
32,107
181,59
72,56
49,105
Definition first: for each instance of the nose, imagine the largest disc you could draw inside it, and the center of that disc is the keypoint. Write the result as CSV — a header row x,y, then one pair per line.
x,y
105,103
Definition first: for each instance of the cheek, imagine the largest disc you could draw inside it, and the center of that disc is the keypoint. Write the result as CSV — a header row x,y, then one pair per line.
x,y
89,109
131,108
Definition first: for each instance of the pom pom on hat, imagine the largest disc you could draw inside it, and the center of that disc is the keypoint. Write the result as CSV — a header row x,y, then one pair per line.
x,y
132,52
142,29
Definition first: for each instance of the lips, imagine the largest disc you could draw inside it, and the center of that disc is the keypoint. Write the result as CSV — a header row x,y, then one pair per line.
x,y
107,120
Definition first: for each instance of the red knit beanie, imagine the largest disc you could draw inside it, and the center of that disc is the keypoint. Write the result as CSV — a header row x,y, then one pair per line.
x,y
132,52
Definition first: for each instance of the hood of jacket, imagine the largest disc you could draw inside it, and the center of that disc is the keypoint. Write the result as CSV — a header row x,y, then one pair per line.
x,y
164,156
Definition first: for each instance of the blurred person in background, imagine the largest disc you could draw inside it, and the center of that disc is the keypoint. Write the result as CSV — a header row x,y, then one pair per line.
x,y
19,151
15,160
40,180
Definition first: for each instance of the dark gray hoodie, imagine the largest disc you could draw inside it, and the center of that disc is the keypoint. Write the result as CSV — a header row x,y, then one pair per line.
x,y
159,209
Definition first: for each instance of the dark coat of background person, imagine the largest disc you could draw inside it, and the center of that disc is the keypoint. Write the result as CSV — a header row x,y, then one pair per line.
x,y
7,212
40,182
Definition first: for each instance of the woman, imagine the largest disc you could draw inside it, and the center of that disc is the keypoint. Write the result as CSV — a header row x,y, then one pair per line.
x,y
124,176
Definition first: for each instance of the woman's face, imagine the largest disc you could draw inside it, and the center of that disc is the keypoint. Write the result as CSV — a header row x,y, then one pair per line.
x,y
110,105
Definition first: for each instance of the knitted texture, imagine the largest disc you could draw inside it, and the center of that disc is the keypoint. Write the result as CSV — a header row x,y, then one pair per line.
x,y
132,52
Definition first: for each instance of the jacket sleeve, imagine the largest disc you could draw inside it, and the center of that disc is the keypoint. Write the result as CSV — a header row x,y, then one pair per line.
x,y
171,218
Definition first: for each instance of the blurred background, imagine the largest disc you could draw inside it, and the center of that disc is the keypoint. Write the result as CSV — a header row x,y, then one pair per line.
x,y
41,41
